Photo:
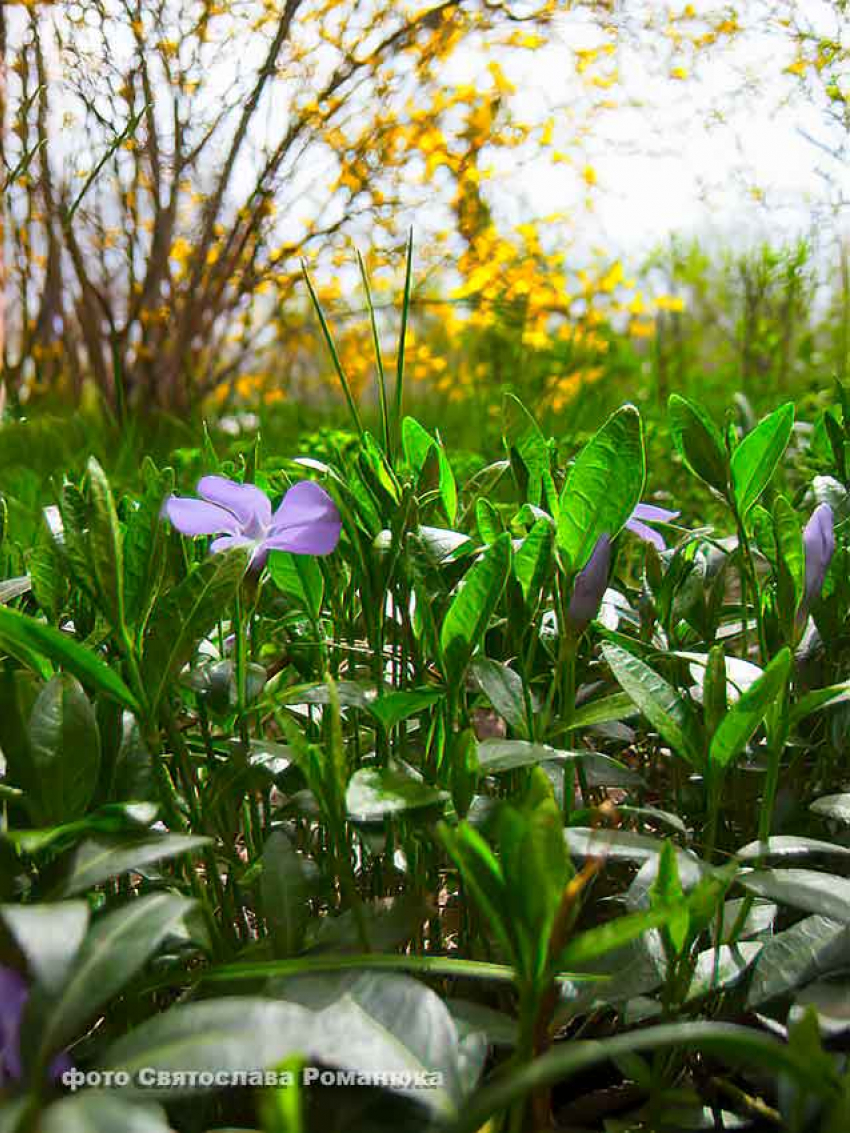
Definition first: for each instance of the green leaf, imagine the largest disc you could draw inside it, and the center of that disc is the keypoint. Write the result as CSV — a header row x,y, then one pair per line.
x,y
185,615
666,892
390,709
65,752
533,560
22,636
817,700
833,806
418,444
503,688
666,710
595,942
739,724
722,968
95,1112
117,946
371,1022
755,459
734,1044
99,859
144,545
106,546
299,576
793,958
473,605
233,1034
377,793
786,846
286,884
48,934
698,441
791,563
822,893
524,440
620,706
482,876
603,487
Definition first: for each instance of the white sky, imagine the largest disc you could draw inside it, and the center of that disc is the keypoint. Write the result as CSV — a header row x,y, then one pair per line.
x,y
662,168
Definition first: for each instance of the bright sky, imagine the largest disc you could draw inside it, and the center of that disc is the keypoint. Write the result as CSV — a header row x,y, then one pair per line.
x,y
685,156
673,156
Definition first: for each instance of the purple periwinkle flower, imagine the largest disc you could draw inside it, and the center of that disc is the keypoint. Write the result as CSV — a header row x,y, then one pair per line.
x,y
14,994
653,514
819,547
306,522
590,586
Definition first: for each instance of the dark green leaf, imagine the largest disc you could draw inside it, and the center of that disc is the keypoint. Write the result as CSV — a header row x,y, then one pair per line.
x,y
65,751
663,706
377,793
755,459
603,487
698,441
473,605
22,636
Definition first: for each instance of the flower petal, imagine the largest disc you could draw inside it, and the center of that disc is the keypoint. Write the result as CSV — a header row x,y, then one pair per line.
x,y
646,533
225,542
306,523
195,517
250,505
652,512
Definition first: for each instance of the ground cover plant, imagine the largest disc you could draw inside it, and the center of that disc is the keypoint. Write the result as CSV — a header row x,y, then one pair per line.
x,y
518,799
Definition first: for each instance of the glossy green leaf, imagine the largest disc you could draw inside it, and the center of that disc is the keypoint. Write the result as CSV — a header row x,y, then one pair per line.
x,y
234,1034
823,893
300,577
185,615
287,881
755,459
698,441
393,707
22,636
472,607
107,552
98,859
502,686
791,563
97,1112
603,487
64,750
791,959
377,793
117,946
739,724
48,934
667,711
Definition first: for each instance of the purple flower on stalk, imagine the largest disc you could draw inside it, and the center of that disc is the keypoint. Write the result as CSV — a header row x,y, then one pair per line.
x,y
590,586
14,994
306,522
819,547
592,580
653,514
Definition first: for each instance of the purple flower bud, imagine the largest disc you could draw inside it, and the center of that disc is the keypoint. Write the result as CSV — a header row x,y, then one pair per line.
x,y
240,515
14,994
590,586
819,547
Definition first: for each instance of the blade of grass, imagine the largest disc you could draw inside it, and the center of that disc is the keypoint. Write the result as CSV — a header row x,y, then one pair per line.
x,y
402,339
346,387
382,379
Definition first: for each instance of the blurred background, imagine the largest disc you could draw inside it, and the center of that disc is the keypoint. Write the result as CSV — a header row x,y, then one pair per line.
x,y
608,201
